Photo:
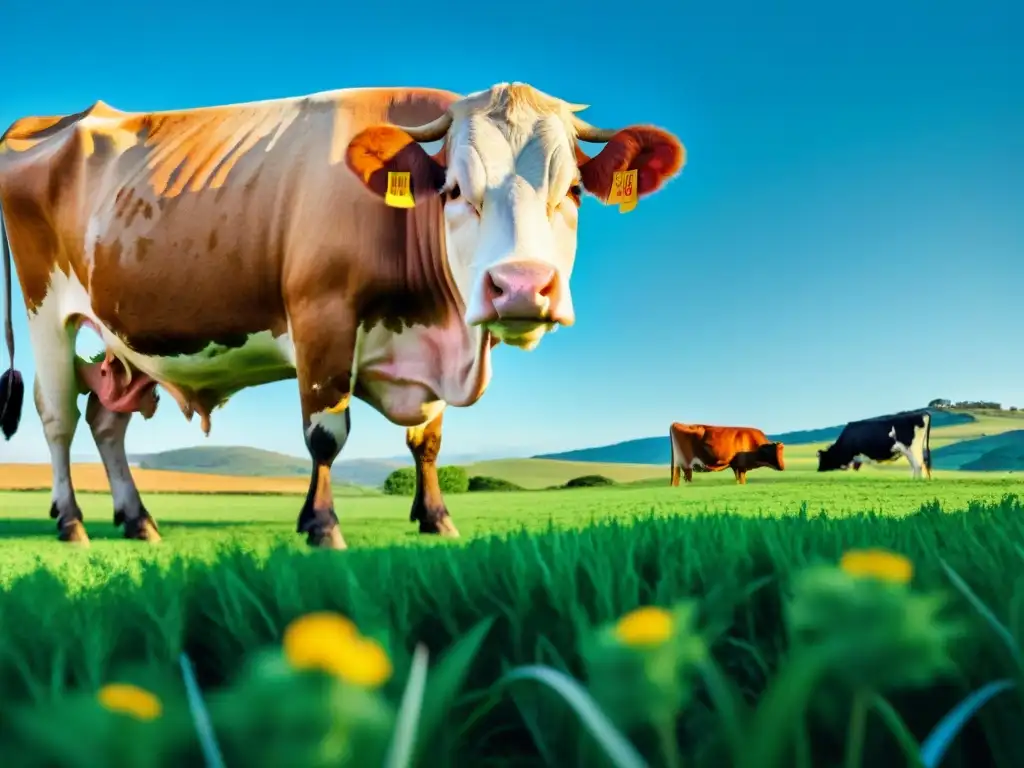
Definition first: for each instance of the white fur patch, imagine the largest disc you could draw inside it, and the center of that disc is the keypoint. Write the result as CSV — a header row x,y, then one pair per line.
x,y
514,178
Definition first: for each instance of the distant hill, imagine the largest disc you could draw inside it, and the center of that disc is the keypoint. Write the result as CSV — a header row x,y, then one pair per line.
x,y
994,453
655,450
256,462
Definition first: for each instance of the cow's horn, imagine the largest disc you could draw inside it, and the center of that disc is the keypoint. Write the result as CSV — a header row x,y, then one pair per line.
x,y
432,131
586,132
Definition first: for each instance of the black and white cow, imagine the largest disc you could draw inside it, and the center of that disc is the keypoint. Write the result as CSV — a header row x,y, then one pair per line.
x,y
882,439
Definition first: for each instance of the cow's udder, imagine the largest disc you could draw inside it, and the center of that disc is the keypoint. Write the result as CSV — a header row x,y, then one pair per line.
x,y
119,389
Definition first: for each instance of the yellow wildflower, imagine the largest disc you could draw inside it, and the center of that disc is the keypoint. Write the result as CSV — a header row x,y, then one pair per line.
x,y
330,643
130,700
878,564
644,627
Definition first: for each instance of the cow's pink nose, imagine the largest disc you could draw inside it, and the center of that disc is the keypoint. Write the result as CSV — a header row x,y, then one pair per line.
x,y
524,290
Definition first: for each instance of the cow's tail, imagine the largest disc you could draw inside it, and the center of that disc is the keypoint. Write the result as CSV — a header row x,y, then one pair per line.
x,y
12,387
926,454
672,463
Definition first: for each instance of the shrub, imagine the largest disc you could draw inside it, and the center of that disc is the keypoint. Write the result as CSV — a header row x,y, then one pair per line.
x,y
589,481
453,479
402,482
485,483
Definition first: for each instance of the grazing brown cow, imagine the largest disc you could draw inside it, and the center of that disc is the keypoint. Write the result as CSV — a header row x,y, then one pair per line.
x,y
712,449
221,248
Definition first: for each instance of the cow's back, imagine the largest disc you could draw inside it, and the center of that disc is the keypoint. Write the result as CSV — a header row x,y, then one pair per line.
x,y
714,446
189,226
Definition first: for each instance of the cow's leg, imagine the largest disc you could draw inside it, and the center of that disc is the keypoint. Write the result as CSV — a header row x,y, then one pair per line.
x,y
56,397
326,433
741,475
687,473
324,361
108,430
428,506
674,482
915,466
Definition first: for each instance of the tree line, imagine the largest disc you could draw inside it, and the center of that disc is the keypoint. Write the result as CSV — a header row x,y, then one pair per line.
x,y
970,405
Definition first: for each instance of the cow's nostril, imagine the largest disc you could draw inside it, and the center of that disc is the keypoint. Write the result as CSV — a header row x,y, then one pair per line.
x,y
547,289
492,287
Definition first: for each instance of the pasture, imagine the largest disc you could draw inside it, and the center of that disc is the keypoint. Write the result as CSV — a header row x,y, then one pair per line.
x,y
535,577
195,524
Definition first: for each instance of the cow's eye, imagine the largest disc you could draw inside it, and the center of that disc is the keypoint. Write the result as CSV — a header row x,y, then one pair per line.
x,y
576,192
454,193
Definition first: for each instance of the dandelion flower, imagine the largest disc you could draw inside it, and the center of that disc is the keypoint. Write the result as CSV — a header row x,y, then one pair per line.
x,y
645,626
877,564
330,643
130,700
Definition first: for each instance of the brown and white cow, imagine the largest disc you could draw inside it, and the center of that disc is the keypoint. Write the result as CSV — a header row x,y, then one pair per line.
x,y
712,449
221,248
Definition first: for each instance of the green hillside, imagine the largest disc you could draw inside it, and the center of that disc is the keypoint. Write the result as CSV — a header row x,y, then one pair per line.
x,y
978,441
224,460
256,462
995,453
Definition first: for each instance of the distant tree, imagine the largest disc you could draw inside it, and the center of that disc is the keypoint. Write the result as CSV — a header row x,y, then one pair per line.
x,y
452,479
485,483
589,481
939,402
402,482
977,405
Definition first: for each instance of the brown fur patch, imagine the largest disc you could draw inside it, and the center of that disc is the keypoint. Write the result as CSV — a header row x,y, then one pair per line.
x,y
655,154
382,149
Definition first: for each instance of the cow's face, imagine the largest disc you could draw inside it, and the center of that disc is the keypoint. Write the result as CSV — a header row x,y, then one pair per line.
x,y
511,177
827,461
770,454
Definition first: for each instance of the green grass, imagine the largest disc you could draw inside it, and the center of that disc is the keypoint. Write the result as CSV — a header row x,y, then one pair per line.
x,y
544,590
547,566
194,525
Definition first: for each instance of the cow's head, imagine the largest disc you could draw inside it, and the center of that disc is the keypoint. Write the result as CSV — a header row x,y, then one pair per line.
x,y
511,176
770,455
828,461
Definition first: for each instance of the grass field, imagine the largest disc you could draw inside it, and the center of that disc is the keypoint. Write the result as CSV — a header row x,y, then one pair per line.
x,y
195,524
131,609
534,578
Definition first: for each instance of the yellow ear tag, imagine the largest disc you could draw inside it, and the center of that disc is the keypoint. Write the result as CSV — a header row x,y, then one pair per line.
x,y
624,190
399,193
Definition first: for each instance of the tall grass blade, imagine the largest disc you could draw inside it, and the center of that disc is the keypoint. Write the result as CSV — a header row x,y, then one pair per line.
x,y
447,677
942,735
898,728
782,705
1003,633
727,702
616,747
200,715
403,739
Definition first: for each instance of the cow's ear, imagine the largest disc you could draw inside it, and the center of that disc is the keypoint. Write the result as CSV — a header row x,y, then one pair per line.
x,y
655,155
380,149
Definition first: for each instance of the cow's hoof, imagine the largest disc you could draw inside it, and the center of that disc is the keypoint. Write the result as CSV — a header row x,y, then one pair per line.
x,y
441,526
142,528
73,532
330,538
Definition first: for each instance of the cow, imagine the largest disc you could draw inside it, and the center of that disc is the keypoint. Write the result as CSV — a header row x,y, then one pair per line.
x,y
880,440
706,448
221,248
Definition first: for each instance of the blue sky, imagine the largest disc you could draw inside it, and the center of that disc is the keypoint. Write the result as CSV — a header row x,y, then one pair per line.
x,y
847,238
